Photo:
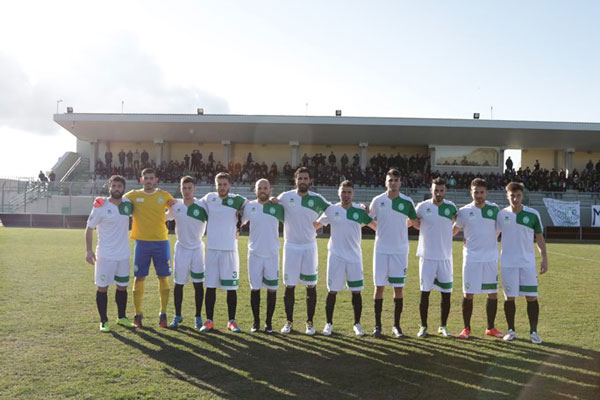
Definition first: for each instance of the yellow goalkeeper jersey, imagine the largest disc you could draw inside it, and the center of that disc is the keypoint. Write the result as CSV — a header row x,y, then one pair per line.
x,y
149,214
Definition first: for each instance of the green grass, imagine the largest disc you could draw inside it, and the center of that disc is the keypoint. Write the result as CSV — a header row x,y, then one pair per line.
x,y
51,347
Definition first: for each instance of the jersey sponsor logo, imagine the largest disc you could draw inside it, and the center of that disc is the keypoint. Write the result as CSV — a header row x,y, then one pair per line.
x,y
160,200
336,215
471,215
139,200
291,202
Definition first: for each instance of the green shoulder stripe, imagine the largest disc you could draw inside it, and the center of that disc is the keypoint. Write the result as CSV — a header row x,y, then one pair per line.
x,y
358,215
490,212
234,202
126,208
275,210
405,207
530,220
197,212
315,203
447,210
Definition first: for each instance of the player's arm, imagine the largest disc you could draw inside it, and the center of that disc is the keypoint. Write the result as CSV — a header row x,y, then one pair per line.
x,y
541,245
90,257
317,225
458,225
373,225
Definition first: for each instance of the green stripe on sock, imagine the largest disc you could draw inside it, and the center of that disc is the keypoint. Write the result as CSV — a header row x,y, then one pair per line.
x,y
489,286
355,283
270,282
531,289
122,279
230,282
396,280
198,276
308,278
443,285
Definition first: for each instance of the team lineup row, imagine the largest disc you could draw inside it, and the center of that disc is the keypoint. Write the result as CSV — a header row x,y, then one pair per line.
x,y
220,214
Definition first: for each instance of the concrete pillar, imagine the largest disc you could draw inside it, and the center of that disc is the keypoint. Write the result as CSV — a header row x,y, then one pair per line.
x,y
568,161
294,154
226,152
93,155
431,153
158,151
364,146
502,167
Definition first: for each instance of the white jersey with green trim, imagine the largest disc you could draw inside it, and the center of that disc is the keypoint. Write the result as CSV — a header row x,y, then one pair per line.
x,y
391,235
346,230
435,234
264,227
300,213
190,223
222,220
518,232
112,224
479,226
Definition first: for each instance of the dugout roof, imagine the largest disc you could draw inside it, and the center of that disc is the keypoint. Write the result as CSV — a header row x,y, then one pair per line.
x,y
274,129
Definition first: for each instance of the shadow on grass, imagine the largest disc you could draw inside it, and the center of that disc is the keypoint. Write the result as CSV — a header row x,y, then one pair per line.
x,y
258,365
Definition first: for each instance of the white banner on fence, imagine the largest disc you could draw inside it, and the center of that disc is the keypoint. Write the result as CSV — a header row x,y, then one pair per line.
x,y
563,213
596,215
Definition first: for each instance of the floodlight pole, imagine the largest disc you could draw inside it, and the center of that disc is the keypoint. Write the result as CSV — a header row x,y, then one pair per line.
x,y
57,103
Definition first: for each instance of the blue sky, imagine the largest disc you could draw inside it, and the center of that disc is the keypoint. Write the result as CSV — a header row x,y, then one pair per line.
x,y
529,60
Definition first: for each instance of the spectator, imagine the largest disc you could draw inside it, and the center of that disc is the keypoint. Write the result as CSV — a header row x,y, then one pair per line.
x,y
332,159
136,159
144,158
129,159
108,158
590,166
122,158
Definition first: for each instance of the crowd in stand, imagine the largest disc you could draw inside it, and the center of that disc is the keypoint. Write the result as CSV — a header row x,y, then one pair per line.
x,y
327,171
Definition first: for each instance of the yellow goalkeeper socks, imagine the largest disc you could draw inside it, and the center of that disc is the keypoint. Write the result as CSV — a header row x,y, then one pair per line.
x,y
138,294
163,289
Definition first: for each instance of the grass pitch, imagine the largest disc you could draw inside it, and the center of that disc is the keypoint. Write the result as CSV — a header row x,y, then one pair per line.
x,y
51,347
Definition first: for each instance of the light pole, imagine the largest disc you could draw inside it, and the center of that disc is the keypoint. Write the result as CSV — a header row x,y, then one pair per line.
x,y
57,103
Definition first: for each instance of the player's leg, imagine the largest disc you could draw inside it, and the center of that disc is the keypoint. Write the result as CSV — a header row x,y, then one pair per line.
x,y
427,275
380,278
510,286
443,283
398,266
355,282
121,279
255,277
308,276
472,278
161,258
292,259
182,266
229,270
490,288
336,275
212,283
197,274
104,272
141,265
102,305
271,282
528,287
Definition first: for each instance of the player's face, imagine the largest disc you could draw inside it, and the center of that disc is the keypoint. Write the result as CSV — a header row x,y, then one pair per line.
x,y
263,190
187,190
479,194
149,181
515,198
302,182
346,194
116,190
392,183
223,187
438,192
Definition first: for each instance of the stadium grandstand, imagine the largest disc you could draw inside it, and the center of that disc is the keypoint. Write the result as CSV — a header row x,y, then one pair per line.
x,y
559,160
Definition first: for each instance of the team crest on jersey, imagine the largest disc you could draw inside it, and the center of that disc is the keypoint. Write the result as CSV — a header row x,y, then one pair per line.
x,y
490,213
447,211
400,207
311,203
467,285
272,210
196,212
139,200
525,220
160,200
229,202
355,216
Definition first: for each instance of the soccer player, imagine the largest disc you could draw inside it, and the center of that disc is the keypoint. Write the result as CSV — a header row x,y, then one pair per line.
x,y
480,256
435,252
151,242
393,213
300,258
263,250
519,225
110,216
190,221
222,259
344,261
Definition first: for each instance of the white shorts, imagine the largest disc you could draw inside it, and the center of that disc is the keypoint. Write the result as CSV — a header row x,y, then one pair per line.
x,y
341,272
389,269
300,266
188,262
520,281
222,269
263,271
436,274
109,272
480,277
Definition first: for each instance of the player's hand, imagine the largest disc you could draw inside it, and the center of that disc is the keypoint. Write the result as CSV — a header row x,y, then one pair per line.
x,y
90,257
171,202
544,267
366,207
274,200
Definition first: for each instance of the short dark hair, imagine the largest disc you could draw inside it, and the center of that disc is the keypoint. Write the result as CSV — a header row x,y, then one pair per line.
x,y
393,172
479,182
224,175
515,186
117,178
347,183
186,179
302,170
438,181
148,171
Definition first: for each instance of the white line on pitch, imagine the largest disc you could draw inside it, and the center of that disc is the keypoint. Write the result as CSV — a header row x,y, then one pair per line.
x,y
567,255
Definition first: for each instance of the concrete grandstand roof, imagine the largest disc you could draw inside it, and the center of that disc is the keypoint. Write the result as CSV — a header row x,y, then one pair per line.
x,y
213,128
